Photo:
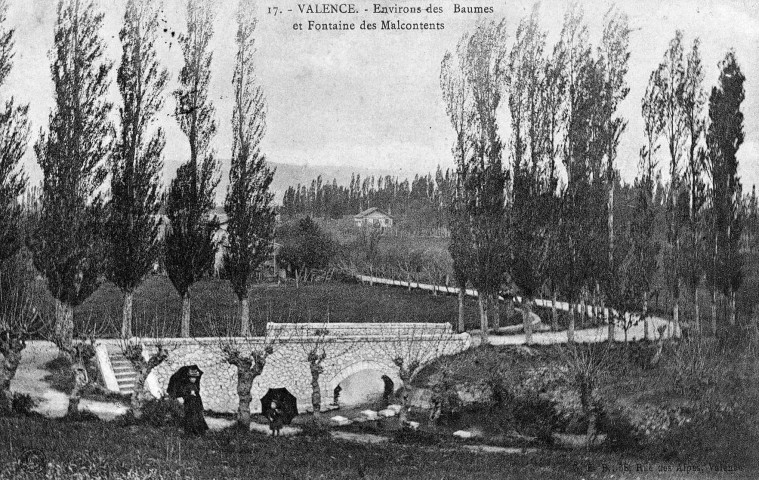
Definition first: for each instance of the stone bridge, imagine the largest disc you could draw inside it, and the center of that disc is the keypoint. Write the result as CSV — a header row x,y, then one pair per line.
x,y
357,356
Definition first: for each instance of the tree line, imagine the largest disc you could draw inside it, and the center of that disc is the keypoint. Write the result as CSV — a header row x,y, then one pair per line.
x,y
421,202
536,213
97,215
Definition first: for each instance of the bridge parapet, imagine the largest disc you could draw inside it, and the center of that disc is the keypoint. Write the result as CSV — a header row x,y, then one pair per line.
x,y
373,347
289,330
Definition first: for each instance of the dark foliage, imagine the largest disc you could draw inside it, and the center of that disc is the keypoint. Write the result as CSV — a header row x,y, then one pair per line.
x,y
67,246
305,245
133,220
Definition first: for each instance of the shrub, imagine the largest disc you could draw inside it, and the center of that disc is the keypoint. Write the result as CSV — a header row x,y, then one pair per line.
x,y
620,432
162,412
81,416
23,404
536,416
408,436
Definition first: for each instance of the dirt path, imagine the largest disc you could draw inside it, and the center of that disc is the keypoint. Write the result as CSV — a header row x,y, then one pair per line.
x,y
30,379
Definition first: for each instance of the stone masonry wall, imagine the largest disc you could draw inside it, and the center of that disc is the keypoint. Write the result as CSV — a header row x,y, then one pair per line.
x,y
287,366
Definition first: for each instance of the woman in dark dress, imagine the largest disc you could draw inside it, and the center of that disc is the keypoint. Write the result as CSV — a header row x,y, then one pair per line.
x,y
194,422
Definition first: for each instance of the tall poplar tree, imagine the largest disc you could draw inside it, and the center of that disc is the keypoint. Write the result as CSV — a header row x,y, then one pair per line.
x,y
250,227
533,188
190,245
133,223
67,247
614,56
457,100
14,136
693,101
723,138
484,180
580,225
671,76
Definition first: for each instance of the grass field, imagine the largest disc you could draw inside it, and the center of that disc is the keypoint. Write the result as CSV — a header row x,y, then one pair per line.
x,y
103,450
214,301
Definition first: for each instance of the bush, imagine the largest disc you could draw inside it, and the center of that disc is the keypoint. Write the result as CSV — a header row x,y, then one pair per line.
x,y
162,412
23,404
536,416
81,416
408,436
620,432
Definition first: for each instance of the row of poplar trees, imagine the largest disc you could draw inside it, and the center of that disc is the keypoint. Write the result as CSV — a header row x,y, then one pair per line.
x,y
544,222
84,231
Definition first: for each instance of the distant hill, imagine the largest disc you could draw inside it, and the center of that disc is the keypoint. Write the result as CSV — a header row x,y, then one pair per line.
x,y
291,175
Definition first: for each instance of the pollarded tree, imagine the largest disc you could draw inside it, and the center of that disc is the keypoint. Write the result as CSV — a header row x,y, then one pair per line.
x,y
249,356
66,246
410,349
20,318
250,228
723,138
190,245
14,135
133,223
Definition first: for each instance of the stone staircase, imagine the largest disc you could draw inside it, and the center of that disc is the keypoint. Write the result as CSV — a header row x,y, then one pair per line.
x,y
126,376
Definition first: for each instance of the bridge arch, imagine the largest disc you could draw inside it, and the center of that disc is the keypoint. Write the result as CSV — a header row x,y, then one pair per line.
x,y
358,367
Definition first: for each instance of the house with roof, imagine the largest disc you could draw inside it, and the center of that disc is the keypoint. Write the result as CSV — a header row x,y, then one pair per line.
x,y
373,217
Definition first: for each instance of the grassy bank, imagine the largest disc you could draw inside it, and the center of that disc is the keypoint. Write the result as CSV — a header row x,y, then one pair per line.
x,y
101,450
157,306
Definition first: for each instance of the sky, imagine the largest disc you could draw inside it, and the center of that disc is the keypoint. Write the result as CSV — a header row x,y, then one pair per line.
x,y
371,99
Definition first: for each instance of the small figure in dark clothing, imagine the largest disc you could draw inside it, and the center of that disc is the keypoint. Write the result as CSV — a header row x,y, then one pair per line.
x,y
336,394
389,389
276,419
194,422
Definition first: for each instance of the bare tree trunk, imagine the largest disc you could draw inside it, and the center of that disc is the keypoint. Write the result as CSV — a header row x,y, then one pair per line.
x,y
186,315
483,318
496,313
583,311
554,313
610,318
571,327
11,351
697,312
245,379
527,320
586,400
79,372
316,393
676,309
646,334
244,317
460,327
126,319
64,327
714,311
